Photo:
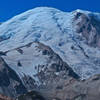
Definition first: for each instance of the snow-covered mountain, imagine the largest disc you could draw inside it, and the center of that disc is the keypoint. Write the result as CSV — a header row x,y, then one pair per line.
x,y
74,36
47,49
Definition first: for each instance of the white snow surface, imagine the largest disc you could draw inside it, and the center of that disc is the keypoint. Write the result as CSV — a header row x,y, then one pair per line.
x,y
30,59
55,29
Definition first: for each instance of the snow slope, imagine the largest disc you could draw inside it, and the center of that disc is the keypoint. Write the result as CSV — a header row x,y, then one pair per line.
x,y
57,30
36,64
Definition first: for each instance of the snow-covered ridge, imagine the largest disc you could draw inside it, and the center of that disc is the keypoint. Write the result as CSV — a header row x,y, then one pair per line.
x,y
57,30
37,64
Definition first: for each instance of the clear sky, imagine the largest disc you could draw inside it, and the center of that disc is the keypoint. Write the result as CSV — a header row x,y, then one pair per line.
x,y
10,8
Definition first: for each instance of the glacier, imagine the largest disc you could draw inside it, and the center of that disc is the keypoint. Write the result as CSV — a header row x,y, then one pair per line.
x,y
56,29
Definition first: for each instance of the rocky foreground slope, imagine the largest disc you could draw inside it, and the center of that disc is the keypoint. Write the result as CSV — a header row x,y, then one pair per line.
x,y
75,90
10,83
68,90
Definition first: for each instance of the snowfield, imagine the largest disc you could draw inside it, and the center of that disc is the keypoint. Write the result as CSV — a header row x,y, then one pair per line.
x,y
56,29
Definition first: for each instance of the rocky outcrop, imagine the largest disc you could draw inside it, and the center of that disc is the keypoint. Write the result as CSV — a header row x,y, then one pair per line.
x,y
89,26
67,90
10,83
75,90
2,97
31,96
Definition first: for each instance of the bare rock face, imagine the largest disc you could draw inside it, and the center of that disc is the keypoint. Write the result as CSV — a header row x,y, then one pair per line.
x,y
10,83
31,96
75,90
2,97
69,89
89,26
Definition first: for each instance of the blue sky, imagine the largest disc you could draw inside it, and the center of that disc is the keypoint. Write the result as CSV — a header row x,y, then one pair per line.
x,y
10,8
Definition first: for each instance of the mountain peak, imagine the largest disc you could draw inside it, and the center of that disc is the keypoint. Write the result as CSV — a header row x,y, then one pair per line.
x,y
79,10
82,11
